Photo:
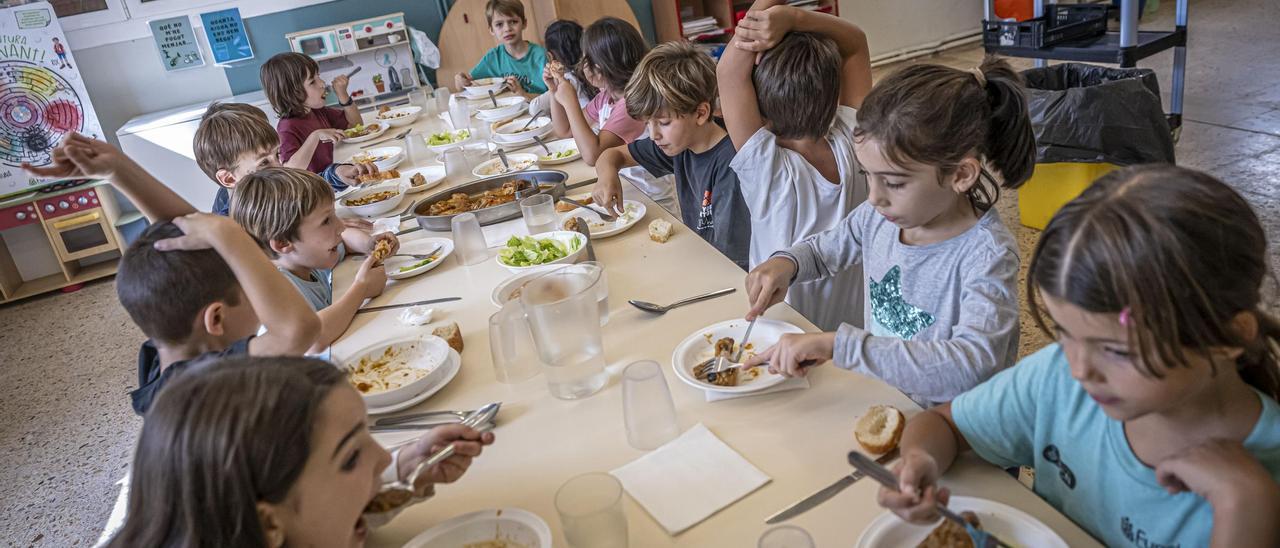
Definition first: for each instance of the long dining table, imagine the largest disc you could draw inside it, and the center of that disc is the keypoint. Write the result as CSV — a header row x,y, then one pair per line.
x,y
799,438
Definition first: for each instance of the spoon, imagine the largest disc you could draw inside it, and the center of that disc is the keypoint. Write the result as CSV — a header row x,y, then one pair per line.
x,y
543,144
395,494
502,155
493,99
659,309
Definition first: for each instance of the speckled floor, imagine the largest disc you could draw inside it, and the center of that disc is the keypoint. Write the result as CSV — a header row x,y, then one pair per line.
x,y
67,360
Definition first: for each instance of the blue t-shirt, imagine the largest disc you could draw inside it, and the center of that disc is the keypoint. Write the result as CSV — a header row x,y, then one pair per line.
x,y
1035,414
318,288
497,63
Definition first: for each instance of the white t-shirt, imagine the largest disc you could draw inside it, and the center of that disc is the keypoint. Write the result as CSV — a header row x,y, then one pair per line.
x,y
790,200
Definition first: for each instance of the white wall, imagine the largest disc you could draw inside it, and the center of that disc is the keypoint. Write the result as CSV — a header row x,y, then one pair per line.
x,y
893,25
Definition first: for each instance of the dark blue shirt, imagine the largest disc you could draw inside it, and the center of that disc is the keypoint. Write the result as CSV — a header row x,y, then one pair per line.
x,y
151,378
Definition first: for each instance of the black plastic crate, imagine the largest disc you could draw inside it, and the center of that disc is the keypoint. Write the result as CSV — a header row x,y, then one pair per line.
x,y
1060,23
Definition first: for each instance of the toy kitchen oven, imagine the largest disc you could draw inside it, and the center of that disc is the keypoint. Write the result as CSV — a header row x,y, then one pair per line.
x,y
378,46
58,237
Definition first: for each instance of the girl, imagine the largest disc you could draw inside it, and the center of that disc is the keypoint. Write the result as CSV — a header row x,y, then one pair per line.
x,y
269,452
1153,421
611,49
564,46
292,83
941,268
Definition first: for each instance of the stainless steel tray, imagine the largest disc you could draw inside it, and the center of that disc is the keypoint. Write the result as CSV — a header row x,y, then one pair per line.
x,y
489,215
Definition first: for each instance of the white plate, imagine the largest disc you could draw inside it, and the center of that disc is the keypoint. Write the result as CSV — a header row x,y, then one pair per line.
x,y
700,346
421,352
520,527
441,148
382,128
508,107
1010,524
410,112
388,157
510,132
420,245
563,236
450,370
484,170
480,87
502,293
433,174
608,229
377,208
558,146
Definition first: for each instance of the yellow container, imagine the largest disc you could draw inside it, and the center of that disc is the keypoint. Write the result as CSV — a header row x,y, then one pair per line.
x,y
1052,186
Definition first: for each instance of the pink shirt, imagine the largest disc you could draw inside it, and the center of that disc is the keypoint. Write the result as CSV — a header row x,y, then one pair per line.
x,y
294,131
616,121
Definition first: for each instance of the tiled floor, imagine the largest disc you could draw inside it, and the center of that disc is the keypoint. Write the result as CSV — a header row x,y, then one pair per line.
x,y
66,361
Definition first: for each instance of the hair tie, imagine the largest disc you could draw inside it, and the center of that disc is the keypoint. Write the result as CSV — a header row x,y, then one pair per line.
x,y
978,75
1125,318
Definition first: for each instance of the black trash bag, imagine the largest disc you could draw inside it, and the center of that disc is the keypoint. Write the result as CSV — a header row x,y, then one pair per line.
x,y
1087,113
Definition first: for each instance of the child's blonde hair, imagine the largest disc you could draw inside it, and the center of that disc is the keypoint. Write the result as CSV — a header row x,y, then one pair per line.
x,y
284,78
674,78
271,203
510,8
228,131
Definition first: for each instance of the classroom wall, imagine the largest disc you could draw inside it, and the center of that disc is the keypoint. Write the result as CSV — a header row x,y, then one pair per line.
x,y
894,25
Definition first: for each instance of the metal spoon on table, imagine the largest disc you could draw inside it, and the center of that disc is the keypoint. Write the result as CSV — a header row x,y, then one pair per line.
x,y
506,164
543,144
493,99
659,309
395,494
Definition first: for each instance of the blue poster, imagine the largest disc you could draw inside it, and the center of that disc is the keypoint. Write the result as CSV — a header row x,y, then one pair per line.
x,y
177,43
227,37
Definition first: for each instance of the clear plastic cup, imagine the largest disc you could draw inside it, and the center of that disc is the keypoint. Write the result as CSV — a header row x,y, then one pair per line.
x,y
457,163
647,409
564,317
459,113
785,536
590,508
419,153
514,357
468,240
539,213
442,99
593,268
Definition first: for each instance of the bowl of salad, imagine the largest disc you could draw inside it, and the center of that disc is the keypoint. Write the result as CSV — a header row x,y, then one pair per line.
x,y
444,140
563,151
524,253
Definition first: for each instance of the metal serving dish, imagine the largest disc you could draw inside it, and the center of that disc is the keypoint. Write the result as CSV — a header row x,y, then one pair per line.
x,y
495,214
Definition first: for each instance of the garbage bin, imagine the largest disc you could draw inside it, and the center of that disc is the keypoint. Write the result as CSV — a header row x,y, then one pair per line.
x,y
1088,120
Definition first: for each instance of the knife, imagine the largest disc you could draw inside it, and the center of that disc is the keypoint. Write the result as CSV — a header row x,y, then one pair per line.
x,y
826,493
405,305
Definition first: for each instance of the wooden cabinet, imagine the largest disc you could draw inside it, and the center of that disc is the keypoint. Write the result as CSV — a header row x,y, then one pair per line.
x,y
669,15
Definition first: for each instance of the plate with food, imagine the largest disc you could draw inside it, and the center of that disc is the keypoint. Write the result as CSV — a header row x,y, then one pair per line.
x,y
633,212
510,288
374,200
563,151
360,133
480,87
399,116
384,158
508,107
515,162
516,131
444,140
693,356
422,178
448,371
394,371
495,528
524,252
399,268
1006,522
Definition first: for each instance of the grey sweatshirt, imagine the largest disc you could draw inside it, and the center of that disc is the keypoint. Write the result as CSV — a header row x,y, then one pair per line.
x,y
940,318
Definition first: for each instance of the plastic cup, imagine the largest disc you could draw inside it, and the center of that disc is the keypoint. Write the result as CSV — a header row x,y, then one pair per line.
x,y
459,113
442,99
468,240
564,319
590,508
647,409
457,163
514,357
785,536
539,213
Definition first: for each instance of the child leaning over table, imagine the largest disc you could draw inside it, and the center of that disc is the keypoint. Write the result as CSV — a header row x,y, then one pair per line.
x,y
514,59
198,286
792,118
290,212
674,91
1153,421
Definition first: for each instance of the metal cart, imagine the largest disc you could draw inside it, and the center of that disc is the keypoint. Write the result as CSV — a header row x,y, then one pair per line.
x,y
1124,48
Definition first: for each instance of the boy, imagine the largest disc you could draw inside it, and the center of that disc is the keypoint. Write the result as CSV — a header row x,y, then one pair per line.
x,y
196,286
517,60
795,140
674,91
290,212
235,139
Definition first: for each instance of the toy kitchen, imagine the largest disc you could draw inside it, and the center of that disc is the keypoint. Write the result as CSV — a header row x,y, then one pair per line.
x,y
376,50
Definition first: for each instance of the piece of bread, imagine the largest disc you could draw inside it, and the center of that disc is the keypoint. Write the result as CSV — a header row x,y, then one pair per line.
x,y
451,334
879,430
381,250
563,207
950,534
571,224
660,231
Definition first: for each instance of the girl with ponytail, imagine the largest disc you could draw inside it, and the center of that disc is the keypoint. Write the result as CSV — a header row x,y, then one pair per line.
x,y
940,267
1153,421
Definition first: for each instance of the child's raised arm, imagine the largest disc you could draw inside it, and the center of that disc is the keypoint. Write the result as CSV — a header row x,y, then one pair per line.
x,y
738,104
351,111
81,157
567,112
767,22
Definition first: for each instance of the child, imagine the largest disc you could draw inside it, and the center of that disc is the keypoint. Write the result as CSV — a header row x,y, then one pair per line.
x,y
233,447
1163,379
792,121
611,49
292,84
196,286
515,59
235,139
674,91
290,212
941,267
564,48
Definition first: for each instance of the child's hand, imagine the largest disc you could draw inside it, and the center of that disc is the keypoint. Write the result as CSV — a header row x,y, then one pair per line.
x,y
608,193
461,80
351,173
327,135
81,157
467,444
1220,471
762,29
918,494
389,238
565,94
339,85
788,356
514,84
371,277
199,231
767,284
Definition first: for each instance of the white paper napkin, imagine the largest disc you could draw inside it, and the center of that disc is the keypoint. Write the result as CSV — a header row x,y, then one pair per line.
x,y
689,479
794,383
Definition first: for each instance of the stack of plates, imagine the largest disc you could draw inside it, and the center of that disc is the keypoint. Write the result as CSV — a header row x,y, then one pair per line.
x,y
510,135
508,108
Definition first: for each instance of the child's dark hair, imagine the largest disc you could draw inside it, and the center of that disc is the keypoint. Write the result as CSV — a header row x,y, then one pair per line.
x,y
1180,251
798,86
563,39
612,48
284,77
164,291
937,116
223,436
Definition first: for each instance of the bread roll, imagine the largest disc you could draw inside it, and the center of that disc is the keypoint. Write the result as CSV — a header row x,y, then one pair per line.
x,y
660,231
451,334
879,430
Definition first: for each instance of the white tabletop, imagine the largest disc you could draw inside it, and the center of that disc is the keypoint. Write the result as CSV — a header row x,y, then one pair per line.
x,y
799,438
